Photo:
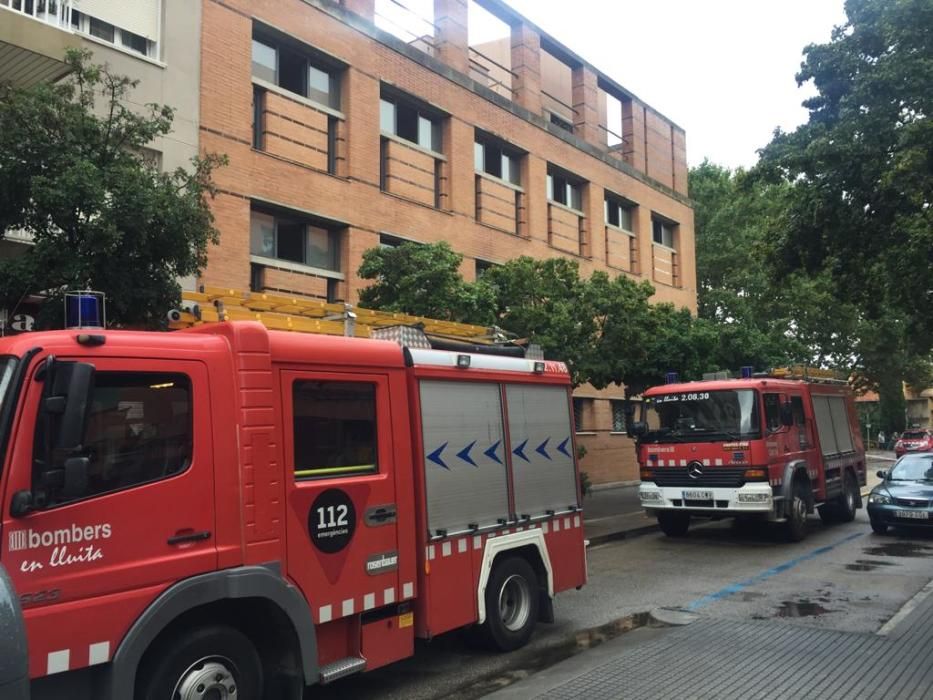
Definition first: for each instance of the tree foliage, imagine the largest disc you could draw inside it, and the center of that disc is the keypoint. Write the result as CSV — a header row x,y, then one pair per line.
x,y
101,214
860,175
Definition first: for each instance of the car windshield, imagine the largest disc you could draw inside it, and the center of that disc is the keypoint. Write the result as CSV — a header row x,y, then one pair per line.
x,y
702,416
913,468
913,435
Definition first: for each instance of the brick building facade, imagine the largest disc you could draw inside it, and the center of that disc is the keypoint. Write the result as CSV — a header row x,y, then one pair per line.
x,y
342,137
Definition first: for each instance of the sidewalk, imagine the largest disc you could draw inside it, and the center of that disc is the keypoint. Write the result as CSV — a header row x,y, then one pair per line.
x,y
614,512
724,658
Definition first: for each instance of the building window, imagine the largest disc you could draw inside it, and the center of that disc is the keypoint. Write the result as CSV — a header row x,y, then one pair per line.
x,y
259,108
662,233
482,267
334,428
580,410
618,416
409,122
296,69
388,241
560,122
564,188
295,240
618,213
105,31
496,159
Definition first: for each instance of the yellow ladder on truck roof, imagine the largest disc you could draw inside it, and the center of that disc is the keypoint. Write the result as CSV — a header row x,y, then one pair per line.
x,y
301,315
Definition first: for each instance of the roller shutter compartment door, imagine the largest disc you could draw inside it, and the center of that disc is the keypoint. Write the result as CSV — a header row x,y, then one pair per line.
x,y
824,425
837,409
464,455
541,448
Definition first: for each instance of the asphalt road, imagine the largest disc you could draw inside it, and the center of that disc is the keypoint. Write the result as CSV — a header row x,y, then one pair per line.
x,y
841,576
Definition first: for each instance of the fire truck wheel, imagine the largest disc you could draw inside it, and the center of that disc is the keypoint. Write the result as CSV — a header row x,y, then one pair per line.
x,y
848,501
216,662
674,524
796,526
511,605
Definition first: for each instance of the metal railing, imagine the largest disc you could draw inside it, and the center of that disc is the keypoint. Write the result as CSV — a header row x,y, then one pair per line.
x,y
481,66
423,41
54,12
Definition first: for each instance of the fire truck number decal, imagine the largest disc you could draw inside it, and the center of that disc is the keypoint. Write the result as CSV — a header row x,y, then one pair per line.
x,y
332,521
698,396
70,545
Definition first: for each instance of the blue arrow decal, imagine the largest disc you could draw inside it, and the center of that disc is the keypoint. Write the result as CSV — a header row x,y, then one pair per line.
x,y
520,450
464,454
542,448
491,452
562,447
436,457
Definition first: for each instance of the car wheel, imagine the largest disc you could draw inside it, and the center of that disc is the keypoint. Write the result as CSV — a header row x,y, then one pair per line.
x,y
216,661
848,501
674,524
511,605
879,527
795,529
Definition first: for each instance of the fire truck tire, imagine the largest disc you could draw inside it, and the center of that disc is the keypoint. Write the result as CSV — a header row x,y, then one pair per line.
x,y
674,524
796,526
511,605
848,501
215,661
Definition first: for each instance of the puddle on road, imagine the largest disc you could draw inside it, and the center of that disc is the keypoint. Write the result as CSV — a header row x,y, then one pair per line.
x,y
868,564
900,549
801,608
534,660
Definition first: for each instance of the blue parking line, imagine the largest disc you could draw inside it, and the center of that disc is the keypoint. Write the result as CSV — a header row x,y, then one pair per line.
x,y
764,575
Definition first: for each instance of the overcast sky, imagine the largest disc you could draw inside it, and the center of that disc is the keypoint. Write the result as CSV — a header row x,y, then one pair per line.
x,y
722,69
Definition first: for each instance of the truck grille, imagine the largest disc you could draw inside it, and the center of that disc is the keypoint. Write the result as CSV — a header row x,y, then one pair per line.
x,y
912,502
725,477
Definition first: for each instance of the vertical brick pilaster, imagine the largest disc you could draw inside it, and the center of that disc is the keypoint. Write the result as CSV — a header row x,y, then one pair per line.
x,y
364,8
594,210
534,182
586,105
526,66
461,182
452,39
361,105
633,131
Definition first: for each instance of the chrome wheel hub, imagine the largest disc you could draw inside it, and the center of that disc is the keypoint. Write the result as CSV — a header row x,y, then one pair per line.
x,y
209,678
514,603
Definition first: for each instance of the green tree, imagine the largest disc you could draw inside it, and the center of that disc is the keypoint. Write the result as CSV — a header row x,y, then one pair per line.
x,y
423,280
860,172
101,215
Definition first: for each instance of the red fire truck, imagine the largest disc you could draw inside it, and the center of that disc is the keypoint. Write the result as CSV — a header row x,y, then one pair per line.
x,y
775,447
233,512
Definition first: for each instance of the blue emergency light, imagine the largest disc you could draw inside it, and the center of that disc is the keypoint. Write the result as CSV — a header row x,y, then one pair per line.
x,y
747,371
672,377
85,309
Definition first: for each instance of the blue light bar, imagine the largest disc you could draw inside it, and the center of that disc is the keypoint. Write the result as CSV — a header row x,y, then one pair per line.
x,y
747,372
84,309
672,377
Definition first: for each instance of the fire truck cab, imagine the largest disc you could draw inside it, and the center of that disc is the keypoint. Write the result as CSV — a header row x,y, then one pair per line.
x,y
772,447
228,511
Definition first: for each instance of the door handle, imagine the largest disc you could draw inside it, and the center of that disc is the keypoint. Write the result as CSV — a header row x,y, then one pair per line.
x,y
183,537
381,515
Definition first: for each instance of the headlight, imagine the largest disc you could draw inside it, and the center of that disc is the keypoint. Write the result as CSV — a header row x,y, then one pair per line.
x,y
754,497
879,499
652,496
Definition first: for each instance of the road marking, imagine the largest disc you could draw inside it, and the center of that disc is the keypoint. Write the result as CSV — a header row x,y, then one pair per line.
x,y
905,610
764,575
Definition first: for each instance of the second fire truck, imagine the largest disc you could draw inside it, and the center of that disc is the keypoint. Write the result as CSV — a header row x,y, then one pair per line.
x,y
771,447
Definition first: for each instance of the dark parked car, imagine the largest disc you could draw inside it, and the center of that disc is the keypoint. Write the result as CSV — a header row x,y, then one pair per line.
x,y
914,441
905,496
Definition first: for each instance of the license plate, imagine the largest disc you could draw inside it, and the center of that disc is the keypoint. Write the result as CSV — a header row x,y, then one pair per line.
x,y
912,514
698,495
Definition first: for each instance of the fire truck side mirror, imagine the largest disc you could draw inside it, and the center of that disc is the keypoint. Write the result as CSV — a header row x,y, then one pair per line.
x,y
636,429
76,379
787,414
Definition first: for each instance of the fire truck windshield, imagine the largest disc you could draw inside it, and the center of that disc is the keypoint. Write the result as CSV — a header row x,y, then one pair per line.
x,y
702,416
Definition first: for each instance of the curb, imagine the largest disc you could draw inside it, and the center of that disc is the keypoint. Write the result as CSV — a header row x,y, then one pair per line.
x,y
623,534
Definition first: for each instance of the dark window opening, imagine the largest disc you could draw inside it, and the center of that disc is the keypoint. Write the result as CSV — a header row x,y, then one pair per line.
x,y
494,159
410,122
134,42
564,189
294,239
561,122
297,70
100,29
334,428
618,213
662,233
772,412
139,430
